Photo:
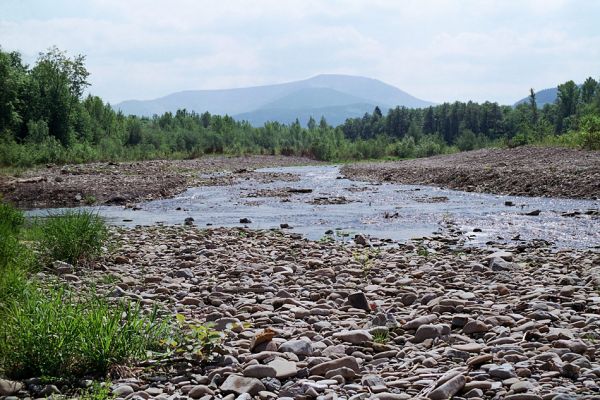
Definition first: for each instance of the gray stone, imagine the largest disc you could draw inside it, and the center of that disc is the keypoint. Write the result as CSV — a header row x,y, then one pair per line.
x,y
260,371
448,389
240,384
123,391
9,388
348,362
199,391
299,347
283,368
429,332
358,336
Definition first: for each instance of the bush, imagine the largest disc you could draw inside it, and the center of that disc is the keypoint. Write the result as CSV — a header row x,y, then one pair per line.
x,y
590,135
10,217
73,237
48,332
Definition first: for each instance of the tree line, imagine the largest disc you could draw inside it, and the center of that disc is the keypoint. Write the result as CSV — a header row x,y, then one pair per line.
x,y
45,118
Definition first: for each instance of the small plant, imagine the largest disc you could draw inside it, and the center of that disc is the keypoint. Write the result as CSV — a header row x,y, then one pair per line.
x,y
73,237
422,251
201,341
365,259
97,391
89,200
381,336
326,239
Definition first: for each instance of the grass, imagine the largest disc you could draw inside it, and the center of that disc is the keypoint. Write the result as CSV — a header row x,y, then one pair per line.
x,y
50,332
381,336
74,237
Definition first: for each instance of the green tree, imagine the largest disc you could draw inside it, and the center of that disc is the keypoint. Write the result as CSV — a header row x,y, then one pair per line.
x,y
588,90
567,100
60,82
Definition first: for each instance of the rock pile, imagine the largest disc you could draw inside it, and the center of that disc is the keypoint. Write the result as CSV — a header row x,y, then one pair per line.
x,y
312,320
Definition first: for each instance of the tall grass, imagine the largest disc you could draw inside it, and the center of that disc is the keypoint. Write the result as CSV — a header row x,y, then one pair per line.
x,y
50,332
73,237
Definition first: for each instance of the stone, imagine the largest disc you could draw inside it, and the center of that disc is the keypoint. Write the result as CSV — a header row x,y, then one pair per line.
x,y
299,347
499,265
240,385
521,386
283,368
348,362
183,273
359,300
9,388
425,332
417,322
358,336
260,371
504,371
448,389
199,391
123,391
361,240
475,326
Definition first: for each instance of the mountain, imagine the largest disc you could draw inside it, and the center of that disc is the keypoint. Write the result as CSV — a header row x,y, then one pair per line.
x,y
543,97
336,97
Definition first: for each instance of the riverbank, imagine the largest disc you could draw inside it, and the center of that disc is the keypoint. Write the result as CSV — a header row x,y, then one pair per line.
x,y
303,319
523,171
127,183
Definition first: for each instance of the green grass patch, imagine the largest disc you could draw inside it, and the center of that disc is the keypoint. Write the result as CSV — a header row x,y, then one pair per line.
x,y
74,237
50,332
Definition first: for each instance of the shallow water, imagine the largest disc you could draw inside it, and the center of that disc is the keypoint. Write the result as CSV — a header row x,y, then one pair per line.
x,y
386,211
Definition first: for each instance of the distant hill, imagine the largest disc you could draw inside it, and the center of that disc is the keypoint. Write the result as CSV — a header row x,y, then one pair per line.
x,y
543,97
336,97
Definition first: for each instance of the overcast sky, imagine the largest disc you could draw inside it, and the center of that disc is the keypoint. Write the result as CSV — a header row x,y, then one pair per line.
x,y
438,50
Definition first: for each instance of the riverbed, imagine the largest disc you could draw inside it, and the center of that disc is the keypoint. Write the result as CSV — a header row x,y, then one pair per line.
x,y
318,202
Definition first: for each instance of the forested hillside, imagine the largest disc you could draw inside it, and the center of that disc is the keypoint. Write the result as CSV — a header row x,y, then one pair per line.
x,y
45,118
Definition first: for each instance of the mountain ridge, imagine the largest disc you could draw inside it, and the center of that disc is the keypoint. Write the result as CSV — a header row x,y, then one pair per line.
x,y
324,92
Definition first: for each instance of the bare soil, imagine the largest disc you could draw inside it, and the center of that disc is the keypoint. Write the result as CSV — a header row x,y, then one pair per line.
x,y
129,182
524,171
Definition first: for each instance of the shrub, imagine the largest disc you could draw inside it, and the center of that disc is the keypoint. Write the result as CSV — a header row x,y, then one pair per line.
x,y
10,217
73,237
49,332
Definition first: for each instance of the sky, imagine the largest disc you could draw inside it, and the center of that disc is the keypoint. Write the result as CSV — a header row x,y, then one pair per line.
x,y
437,50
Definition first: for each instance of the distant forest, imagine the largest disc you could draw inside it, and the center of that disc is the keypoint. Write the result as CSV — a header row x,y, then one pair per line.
x,y
45,118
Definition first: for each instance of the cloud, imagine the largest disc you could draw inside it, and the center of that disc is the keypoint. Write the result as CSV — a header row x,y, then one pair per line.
x,y
435,49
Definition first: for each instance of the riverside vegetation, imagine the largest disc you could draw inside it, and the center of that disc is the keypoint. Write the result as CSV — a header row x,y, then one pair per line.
x,y
44,118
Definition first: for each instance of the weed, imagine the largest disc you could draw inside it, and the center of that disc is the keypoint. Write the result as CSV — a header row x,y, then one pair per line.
x,y
422,251
74,237
201,340
381,336
89,200
51,332
10,218
98,391
365,259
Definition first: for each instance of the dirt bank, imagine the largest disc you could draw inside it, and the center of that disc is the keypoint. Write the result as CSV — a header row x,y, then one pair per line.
x,y
525,171
128,182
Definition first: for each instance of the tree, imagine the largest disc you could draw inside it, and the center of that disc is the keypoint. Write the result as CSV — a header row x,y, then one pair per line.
x,y
60,82
567,100
588,90
312,124
12,80
533,107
